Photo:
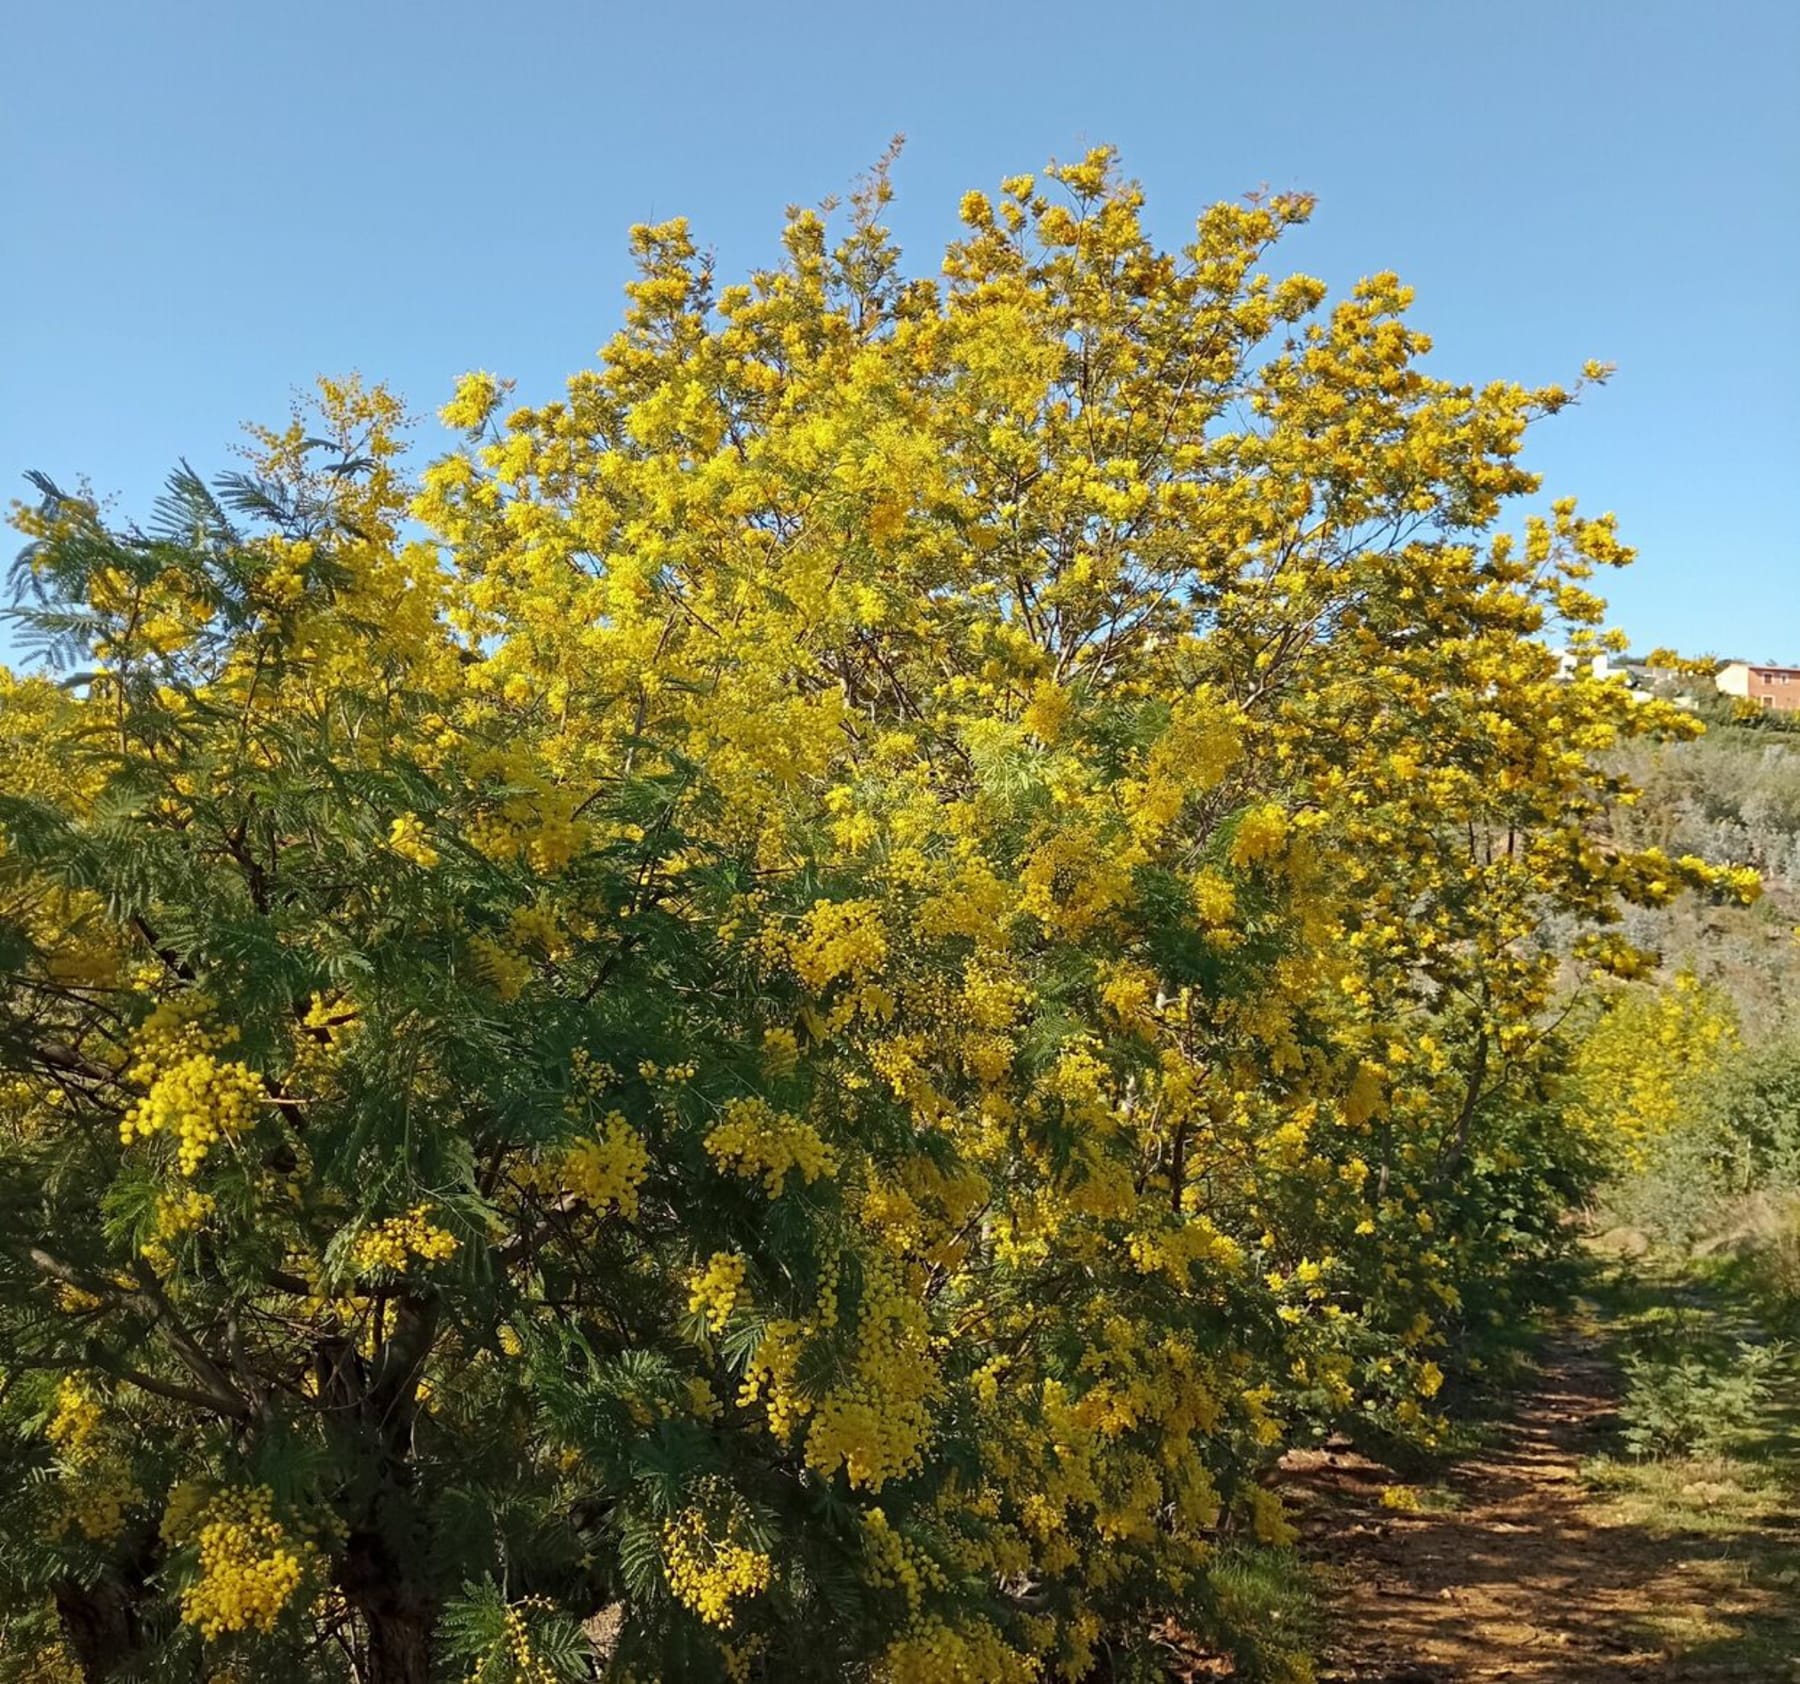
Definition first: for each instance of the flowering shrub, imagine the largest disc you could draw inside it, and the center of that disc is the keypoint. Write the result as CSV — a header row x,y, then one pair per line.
x,y
805,1025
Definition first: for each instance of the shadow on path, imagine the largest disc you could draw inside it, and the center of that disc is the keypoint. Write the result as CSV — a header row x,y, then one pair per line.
x,y
1525,1574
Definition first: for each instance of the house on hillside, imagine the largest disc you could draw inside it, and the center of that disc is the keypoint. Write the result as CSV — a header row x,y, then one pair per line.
x,y
1763,685
1639,678
1584,664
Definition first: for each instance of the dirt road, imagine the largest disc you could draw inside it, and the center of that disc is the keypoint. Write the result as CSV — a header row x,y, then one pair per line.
x,y
1517,1570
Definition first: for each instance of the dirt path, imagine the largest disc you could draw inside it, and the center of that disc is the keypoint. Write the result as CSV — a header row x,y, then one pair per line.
x,y
1520,1575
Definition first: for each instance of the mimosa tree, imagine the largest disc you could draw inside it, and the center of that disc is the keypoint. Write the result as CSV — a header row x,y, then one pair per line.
x,y
793,1042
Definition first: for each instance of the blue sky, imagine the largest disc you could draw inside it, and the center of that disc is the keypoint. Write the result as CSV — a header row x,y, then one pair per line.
x,y
206,204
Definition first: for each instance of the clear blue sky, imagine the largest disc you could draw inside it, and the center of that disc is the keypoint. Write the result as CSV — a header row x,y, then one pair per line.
x,y
206,204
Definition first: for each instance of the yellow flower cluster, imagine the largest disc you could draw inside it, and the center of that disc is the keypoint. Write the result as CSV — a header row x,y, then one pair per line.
x,y
182,1510
589,1078
536,929
283,582
50,1662
76,1419
535,818
97,1483
407,837
195,1098
709,1558
100,1497
1176,1250
895,1564
182,1212
780,1051
524,1664
752,1138
717,1290
248,1569
505,971
1259,834
838,939
173,1030
177,1215
1214,897
933,1651
771,1377
1268,1519
477,395
874,1421
318,1040
389,1245
921,1212
608,1170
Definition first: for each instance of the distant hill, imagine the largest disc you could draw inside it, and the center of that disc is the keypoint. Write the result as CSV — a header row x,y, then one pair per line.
x,y
1733,794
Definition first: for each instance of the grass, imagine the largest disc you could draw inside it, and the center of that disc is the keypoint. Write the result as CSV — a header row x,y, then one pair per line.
x,y
1270,1598
1700,1366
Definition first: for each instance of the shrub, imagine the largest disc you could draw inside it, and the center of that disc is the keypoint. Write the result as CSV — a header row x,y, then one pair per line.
x,y
810,1020
1695,1404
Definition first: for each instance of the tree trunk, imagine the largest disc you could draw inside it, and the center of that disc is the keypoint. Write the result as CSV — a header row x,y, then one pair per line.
x,y
101,1623
400,1632
399,1615
372,1410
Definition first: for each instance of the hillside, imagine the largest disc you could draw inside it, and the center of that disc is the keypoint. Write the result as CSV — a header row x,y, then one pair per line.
x,y
1733,794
